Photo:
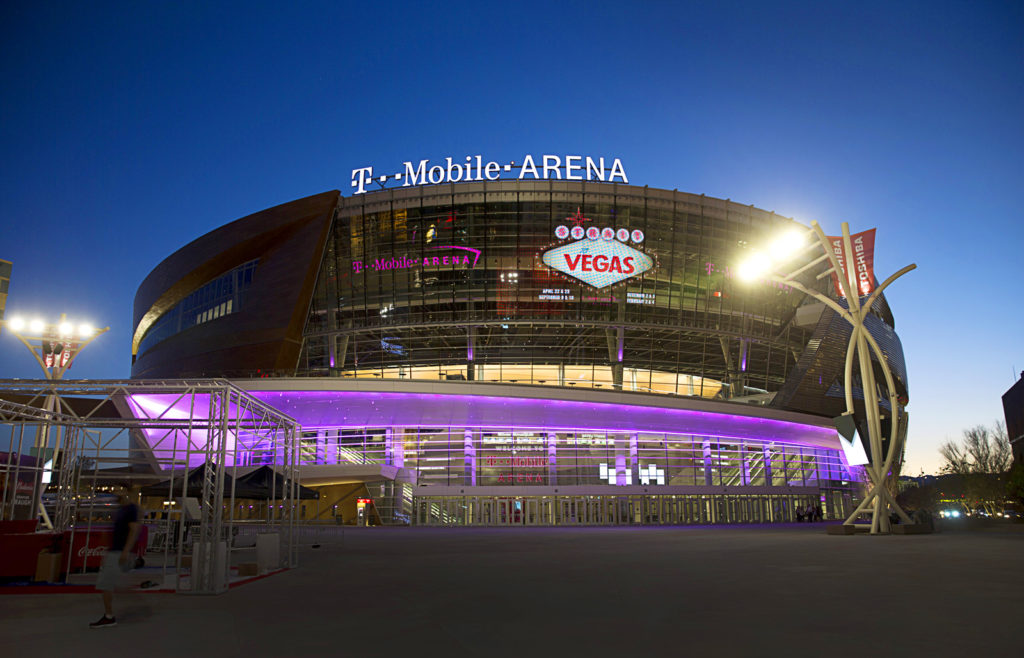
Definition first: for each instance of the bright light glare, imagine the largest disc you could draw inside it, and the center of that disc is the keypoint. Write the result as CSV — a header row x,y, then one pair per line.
x,y
36,326
16,324
787,244
755,266
65,329
85,330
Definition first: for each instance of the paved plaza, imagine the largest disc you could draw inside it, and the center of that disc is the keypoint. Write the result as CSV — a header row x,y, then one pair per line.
x,y
618,591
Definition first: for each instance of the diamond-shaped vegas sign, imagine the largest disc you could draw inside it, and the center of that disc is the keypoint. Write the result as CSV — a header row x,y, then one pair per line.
x,y
598,262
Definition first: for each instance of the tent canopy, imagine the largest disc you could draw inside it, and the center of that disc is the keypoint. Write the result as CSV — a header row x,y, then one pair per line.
x,y
266,482
261,484
172,488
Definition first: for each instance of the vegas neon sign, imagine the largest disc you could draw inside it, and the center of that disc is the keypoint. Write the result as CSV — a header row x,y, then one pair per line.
x,y
598,257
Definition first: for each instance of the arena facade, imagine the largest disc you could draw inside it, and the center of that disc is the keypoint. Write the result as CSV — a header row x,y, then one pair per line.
x,y
534,342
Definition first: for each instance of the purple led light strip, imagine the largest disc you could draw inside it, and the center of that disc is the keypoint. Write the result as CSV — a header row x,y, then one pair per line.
x,y
362,409
465,399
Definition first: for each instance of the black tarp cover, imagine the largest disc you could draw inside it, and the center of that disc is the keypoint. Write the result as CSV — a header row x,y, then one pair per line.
x,y
195,485
265,480
258,485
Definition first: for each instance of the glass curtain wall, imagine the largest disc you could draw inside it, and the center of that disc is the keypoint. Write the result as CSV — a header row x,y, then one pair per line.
x,y
458,456
447,282
755,481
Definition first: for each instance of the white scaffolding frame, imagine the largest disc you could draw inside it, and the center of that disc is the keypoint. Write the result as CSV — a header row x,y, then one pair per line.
x,y
105,436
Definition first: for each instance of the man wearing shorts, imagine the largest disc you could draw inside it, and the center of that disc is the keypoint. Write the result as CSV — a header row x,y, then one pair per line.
x,y
118,559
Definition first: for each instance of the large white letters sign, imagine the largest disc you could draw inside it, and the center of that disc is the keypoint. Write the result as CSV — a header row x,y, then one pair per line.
x,y
454,170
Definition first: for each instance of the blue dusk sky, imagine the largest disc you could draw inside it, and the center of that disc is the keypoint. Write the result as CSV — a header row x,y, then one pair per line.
x,y
129,129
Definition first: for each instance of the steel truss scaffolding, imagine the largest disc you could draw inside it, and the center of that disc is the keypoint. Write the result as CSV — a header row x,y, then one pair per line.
x,y
137,436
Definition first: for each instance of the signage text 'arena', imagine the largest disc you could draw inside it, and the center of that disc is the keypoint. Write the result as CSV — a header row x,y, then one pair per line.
x,y
546,167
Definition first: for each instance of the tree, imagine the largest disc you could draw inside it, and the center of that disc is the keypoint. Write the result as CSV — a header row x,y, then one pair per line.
x,y
980,451
920,497
982,457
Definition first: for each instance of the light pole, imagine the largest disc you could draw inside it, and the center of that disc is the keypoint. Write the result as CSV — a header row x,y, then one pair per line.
x,y
852,276
55,346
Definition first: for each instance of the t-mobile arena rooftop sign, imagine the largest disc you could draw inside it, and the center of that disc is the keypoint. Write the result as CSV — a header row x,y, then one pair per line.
x,y
546,167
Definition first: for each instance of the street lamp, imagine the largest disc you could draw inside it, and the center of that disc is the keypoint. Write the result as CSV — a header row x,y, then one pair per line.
x,y
55,346
851,273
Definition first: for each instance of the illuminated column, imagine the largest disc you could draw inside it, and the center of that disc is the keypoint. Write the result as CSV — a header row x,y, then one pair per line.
x,y
469,455
730,366
739,387
341,351
398,447
745,460
706,447
616,346
330,446
767,466
470,347
552,459
618,368
389,449
620,461
634,459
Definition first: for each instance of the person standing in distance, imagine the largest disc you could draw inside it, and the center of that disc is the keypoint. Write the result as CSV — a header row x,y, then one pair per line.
x,y
118,559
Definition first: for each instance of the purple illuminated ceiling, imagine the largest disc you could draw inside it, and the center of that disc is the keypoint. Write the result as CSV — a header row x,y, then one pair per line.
x,y
185,434
381,409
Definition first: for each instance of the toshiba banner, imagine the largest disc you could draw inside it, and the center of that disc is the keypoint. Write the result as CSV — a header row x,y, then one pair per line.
x,y
863,245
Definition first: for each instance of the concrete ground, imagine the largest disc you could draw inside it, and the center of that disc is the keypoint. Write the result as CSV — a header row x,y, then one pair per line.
x,y
678,591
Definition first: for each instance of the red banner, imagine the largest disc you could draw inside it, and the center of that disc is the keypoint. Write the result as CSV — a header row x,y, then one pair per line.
x,y
89,546
863,259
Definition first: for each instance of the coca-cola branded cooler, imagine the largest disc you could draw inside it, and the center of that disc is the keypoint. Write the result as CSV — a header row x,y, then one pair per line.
x,y
88,546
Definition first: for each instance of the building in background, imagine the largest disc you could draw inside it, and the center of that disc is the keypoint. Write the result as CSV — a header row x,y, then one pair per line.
x,y
520,352
5,284
1013,412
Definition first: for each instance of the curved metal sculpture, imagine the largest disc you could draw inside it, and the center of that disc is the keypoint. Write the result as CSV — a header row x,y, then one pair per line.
x,y
879,499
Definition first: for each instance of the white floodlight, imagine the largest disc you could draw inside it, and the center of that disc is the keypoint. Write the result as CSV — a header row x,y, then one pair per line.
x,y
65,329
755,266
16,323
786,245
36,325
85,330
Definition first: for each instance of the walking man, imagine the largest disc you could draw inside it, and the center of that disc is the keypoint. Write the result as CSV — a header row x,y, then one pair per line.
x,y
118,559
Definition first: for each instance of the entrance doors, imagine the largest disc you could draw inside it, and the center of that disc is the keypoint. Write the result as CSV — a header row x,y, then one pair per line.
x,y
547,511
517,511
511,511
627,509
